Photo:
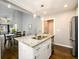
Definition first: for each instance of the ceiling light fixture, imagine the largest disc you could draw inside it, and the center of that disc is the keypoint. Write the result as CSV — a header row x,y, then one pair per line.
x,y
34,15
42,5
9,5
65,5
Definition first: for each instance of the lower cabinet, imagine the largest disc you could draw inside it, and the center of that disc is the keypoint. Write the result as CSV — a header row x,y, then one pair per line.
x,y
0,48
1,45
42,51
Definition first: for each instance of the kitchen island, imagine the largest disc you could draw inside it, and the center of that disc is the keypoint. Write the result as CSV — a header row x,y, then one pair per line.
x,y
34,48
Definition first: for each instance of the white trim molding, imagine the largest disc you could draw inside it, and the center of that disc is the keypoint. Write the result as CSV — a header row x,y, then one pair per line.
x,y
63,45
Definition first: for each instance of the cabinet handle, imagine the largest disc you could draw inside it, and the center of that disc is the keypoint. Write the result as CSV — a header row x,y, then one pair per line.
x,y
48,46
35,57
38,48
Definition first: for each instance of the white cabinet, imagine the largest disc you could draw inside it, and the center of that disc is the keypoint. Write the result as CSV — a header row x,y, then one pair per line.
x,y
1,43
42,51
0,47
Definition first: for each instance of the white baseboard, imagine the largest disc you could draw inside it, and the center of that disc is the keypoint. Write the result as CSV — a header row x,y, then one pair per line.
x,y
63,45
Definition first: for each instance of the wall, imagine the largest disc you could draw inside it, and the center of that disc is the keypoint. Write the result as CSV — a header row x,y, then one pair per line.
x,y
21,19
77,11
14,15
34,23
62,28
5,12
17,19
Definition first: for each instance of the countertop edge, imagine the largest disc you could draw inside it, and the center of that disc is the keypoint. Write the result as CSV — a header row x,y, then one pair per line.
x,y
38,43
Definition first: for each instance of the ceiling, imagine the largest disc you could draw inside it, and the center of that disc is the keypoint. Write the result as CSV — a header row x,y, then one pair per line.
x,y
50,6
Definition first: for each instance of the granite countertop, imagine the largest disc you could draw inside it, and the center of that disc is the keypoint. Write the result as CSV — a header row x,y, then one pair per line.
x,y
32,42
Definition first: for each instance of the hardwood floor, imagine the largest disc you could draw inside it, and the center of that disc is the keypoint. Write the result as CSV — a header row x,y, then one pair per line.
x,y
11,53
59,53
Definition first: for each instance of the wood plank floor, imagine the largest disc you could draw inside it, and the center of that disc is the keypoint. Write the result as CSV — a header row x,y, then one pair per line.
x,y
62,53
11,53
59,53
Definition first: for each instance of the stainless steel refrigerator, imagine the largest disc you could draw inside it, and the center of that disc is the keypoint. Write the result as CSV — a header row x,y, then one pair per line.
x,y
74,35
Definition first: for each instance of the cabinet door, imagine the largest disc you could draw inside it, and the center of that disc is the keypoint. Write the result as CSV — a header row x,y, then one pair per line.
x,y
25,51
48,50
37,56
44,52
1,44
0,48
41,54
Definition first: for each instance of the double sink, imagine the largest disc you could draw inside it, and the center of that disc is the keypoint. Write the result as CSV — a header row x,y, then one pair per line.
x,y
39,37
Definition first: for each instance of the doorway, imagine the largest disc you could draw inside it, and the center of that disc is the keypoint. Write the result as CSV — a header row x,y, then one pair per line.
x,y
49,26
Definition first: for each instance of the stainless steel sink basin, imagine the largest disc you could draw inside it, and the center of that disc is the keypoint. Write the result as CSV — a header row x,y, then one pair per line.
x,y
39,37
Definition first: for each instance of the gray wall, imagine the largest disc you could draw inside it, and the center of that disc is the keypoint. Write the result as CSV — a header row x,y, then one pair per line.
x,y
5,12
22,20
16,16
36,24
17,19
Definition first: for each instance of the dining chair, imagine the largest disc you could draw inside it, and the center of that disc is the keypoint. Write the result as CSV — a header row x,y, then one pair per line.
x,y
23,33
18,34
7,39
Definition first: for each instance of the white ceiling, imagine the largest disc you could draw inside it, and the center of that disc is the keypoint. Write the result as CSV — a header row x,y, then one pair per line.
x,y
50,6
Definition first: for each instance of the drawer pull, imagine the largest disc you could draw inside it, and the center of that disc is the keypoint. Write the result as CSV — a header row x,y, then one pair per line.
x,y
48,46
38,48
35,57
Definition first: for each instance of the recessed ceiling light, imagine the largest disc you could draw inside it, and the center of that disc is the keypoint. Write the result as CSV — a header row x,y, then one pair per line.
x,y
65,5
42,5
9,5
34,15
42,18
